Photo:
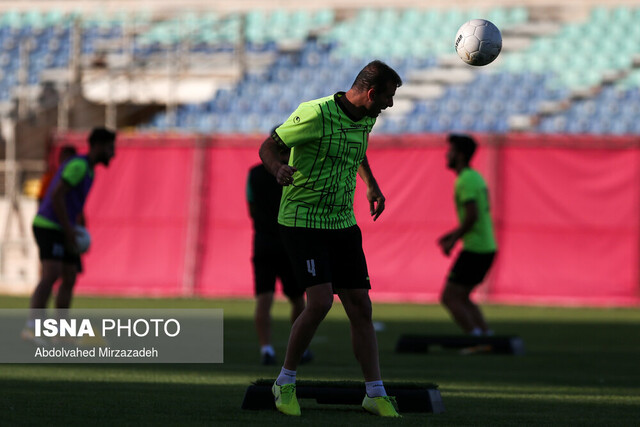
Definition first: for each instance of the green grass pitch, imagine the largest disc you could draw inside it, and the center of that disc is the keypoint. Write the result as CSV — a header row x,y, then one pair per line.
x,y
580,368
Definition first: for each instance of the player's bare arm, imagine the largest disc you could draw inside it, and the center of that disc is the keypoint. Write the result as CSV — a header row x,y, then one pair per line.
x,y
448,241
252,209
60,209
81,220
374,194
269,154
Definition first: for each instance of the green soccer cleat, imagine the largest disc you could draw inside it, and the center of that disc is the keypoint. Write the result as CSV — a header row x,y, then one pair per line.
x,y
385,406
286,400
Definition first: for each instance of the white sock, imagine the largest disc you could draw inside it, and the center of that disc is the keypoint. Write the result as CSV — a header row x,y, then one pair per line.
x,y
267,349
31,324
286,377
477,332
375,389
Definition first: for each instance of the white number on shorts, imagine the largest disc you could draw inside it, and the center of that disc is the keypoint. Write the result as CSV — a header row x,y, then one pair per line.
x,y
311,267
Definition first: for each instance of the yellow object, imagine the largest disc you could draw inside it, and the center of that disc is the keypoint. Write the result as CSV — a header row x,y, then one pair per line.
x,y
286,400
385,406
32,187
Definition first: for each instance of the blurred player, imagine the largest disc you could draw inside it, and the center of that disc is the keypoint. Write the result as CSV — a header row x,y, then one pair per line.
x,y
66,152
269,257
54,223
328,138
478,241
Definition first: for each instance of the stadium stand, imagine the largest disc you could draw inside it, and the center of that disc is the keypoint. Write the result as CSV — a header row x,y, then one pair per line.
x,y
522,84
39,41
279,57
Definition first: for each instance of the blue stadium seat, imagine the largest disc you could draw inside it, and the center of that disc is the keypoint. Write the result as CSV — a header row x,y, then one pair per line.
x,y
326,64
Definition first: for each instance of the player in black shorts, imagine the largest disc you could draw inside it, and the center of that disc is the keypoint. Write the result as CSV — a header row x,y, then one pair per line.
x,y
54,224
328,138
475,231
270,261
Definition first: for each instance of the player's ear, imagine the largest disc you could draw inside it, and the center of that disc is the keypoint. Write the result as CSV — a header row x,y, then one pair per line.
x,y
371,94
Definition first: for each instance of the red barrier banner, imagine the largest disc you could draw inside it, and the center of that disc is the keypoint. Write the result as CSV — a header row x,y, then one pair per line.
x,y
569,226
137,216
227,232
566,211
404,261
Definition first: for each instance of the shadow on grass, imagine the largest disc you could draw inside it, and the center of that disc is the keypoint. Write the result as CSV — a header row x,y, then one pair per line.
x,y
81,403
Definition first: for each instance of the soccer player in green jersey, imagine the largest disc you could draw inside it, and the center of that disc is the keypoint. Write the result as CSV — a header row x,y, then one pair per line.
x,y
328,138
478,241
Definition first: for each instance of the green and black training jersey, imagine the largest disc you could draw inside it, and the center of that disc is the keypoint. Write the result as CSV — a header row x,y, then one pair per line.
x,y
327,147
470,186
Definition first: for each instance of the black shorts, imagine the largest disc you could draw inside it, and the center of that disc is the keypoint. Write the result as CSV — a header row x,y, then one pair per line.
x,y
470,268
327,256
270,261
52,247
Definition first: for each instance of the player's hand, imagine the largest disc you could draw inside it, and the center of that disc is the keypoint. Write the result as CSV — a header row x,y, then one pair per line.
x,y
447,242
70,241
376,201
284,176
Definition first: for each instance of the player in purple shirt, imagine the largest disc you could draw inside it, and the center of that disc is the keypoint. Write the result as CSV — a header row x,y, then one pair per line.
x,y
53,226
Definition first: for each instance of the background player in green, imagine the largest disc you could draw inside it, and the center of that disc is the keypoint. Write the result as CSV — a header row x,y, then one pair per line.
x,y
53,225
328,139
475,230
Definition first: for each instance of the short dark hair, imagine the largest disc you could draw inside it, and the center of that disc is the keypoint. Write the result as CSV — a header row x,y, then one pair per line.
x,y
101,135
67,151
376,75
464,144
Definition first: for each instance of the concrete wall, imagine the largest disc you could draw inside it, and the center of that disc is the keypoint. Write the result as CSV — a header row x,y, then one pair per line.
x,y
19,264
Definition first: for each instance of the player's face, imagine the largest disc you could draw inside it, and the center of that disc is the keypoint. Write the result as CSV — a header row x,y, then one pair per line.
x,y
107,153
381,100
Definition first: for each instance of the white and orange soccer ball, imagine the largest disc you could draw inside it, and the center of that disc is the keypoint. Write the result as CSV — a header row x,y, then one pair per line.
x,y
478,42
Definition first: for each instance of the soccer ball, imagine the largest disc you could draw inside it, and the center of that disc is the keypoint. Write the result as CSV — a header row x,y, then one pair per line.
x,y
478,42
83,239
